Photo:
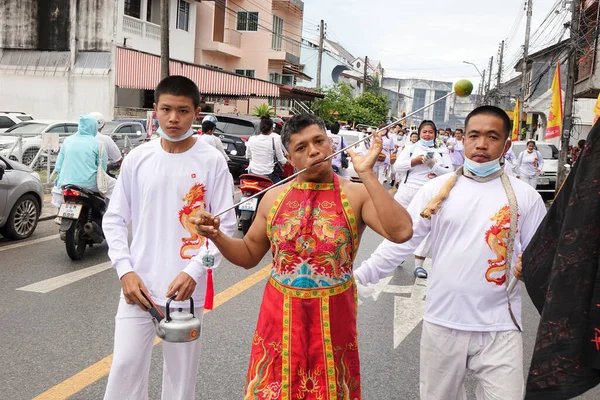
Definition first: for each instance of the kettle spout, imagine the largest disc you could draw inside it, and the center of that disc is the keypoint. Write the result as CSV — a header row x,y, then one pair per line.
x,y
160,332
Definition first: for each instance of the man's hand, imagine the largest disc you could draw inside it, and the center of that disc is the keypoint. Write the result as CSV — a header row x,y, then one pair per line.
x,y
518,271
183,285
207,225
132,290
365,163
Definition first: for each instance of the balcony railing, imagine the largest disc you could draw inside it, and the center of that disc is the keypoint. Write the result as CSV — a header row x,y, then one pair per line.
x,y
141,28
280,43
233,38
295,6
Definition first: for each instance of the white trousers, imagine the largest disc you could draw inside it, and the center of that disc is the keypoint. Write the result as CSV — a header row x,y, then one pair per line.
x,y
381,172
495,358
530,180
404,196
134,338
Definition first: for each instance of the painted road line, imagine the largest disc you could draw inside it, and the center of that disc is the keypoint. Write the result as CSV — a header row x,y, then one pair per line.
x,y
408,311
97,371
51,284
29,242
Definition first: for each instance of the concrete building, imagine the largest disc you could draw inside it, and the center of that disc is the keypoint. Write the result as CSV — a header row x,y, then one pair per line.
x,y
416,93
62,58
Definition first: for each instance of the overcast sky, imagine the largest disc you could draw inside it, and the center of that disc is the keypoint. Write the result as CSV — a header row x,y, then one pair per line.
x,y
430,39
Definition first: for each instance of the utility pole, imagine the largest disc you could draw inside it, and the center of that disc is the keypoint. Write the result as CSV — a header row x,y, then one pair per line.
x,y
365,74
489,82
320,56
482,98
569,91
398,100
500,67
524,82
164,39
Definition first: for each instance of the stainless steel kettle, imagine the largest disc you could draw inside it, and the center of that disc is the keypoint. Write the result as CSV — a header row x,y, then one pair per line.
x,y
176,327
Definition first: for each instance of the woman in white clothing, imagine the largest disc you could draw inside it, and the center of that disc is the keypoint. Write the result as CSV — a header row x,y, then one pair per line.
x,y
417,164
265,150
529,164
383,168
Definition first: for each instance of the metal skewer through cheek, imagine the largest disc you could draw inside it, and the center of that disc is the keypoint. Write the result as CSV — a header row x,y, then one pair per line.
x,y
289,178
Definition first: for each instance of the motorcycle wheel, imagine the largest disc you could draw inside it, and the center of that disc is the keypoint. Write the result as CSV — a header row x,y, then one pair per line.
x,y
74,242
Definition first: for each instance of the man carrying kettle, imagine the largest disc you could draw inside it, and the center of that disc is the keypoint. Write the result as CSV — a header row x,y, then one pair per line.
x,y
165,263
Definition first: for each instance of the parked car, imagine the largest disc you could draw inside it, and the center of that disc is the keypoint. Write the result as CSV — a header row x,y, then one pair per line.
x,y
117,130
31,144
547,180
10,118
21,198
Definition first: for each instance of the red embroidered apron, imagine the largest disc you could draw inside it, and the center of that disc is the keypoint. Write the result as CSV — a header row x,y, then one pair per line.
x,y
305,345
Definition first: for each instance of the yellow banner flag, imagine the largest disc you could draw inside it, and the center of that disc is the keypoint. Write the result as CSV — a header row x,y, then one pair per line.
x,y
597,110
555,116
516,122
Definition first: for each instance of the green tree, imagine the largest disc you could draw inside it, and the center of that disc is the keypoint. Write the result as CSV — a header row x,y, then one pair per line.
x,y
337,104
371,108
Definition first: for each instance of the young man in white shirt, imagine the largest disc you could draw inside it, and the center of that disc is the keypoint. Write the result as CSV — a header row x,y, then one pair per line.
x,y
209,124
161,186
470,321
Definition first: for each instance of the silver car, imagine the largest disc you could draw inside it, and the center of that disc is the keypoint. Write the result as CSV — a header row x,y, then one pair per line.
x,y
21,198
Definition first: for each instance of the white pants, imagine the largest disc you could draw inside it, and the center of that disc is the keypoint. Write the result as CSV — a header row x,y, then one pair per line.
x,y
381,172
134,337
404,196
530,180
495,358
58,198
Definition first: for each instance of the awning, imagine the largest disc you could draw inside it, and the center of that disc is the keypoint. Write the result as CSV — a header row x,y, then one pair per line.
x,y
300,93
295,70
138,70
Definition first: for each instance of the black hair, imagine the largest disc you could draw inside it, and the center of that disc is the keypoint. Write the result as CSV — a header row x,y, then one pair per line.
x,y
414,133
298,123
335,128
177,85
266,124
459,130
531,141
208,126
493,111
581,143
428,122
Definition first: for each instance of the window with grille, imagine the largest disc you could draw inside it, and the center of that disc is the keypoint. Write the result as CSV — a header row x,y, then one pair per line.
x,y
132,8
419,101
247,21
277,37
439,108
245,72
183,15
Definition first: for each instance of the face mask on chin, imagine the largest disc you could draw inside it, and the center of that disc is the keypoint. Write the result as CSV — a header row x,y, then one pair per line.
x,y
483,169
426,143
163,135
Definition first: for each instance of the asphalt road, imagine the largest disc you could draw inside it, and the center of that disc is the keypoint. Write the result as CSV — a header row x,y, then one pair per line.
x,y
63,337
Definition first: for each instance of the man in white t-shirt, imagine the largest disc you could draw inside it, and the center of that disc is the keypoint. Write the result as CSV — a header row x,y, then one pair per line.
x,y
209,124
111,148
162,184
470,322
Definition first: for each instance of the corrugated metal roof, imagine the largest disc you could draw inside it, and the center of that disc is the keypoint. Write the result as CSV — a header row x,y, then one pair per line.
x,y
53,63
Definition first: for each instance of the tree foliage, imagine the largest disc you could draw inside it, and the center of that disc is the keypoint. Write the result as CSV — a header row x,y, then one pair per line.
x,y
369,108
263,109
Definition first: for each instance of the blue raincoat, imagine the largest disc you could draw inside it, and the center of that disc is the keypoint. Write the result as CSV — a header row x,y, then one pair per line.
x,y
77,161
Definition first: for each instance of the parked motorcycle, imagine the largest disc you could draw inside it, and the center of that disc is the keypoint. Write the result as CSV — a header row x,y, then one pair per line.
x,y
250,184
81,224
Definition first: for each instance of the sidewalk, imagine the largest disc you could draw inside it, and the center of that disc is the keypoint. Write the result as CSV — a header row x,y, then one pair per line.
x,y
48,210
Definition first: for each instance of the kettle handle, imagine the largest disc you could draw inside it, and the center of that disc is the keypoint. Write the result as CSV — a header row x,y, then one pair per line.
x,y
168,307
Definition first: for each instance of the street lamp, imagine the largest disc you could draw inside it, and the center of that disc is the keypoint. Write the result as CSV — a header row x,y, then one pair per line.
x,y
480,92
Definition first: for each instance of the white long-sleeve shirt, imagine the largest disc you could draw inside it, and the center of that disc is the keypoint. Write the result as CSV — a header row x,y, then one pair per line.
x,y
214,142
457,151
462,293
259,150
157,192
525,163
111,148
419,174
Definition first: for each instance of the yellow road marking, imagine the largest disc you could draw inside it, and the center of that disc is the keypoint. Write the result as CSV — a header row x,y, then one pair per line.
x,y
95,372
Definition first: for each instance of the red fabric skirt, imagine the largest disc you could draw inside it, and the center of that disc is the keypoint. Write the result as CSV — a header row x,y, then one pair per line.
x,y
305,345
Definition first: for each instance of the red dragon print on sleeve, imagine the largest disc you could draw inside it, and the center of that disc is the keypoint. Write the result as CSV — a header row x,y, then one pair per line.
x,y
193,207
497,239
